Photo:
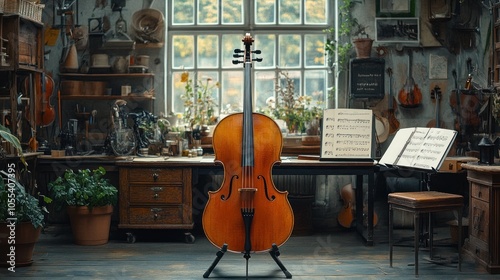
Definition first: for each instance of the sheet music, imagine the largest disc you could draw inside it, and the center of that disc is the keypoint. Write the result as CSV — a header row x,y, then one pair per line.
x,y
419,147
347,133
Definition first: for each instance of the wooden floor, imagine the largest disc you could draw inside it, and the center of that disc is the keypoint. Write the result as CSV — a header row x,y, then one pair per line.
x,y
164,255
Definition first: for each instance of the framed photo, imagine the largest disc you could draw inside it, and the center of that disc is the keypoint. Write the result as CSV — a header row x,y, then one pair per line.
x,y
397,30
395,8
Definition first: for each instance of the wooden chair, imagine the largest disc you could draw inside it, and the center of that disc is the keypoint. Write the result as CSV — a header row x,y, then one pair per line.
x,y
425,202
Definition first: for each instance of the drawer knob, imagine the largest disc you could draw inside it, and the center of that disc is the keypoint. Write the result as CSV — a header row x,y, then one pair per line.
x,y
155,176
155,196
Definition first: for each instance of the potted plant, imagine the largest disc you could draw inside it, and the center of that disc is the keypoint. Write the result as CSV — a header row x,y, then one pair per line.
x,y
21,215
89,199
362,43
21,220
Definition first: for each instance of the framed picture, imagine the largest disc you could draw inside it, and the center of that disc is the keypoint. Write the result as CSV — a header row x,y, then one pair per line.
x,y
397,30
395,8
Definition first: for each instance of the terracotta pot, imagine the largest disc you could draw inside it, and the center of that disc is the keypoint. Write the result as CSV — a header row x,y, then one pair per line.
x,y
90,227
25,236
363,47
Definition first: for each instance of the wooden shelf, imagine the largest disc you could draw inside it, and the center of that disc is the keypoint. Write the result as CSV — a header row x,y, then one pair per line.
x,y
104,76
106,97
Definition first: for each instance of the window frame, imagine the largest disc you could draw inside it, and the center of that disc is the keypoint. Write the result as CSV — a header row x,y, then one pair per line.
x,y
248,25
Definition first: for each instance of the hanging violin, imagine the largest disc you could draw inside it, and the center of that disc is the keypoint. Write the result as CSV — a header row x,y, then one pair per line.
x,y
247,213
410,95
42,93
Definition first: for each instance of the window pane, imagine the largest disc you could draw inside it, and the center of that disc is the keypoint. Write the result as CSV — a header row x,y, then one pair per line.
x,y
266,43
232,11
183,53
315,86
229,43
208,51
314,50
289,11
183,12
290,47
264,89
232,92
265,11
208,12
315,11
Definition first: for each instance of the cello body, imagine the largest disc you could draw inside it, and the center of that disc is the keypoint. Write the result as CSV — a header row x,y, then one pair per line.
x,y
273,215
247,213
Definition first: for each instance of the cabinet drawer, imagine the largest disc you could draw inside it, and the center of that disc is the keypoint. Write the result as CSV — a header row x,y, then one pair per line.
x,y
479,249
154,175
155,215
480,192
479,220
155,194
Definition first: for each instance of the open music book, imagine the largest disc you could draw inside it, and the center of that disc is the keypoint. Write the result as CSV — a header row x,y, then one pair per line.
x,y
347,134
419,147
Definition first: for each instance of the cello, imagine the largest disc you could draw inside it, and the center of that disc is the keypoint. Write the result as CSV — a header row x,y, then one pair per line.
x,y
247,213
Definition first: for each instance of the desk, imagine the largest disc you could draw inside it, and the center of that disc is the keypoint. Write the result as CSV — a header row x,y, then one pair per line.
x,y
206,166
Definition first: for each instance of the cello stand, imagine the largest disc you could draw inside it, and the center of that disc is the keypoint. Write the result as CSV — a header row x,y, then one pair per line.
x,y
274,252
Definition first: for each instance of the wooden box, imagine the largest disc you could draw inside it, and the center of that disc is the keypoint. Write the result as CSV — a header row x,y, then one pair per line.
x,y
454,164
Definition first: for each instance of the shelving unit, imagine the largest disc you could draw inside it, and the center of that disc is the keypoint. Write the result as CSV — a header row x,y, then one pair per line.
x,y
496,42
21,72
88,90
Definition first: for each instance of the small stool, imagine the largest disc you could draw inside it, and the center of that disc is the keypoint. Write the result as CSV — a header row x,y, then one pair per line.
x,y
425,202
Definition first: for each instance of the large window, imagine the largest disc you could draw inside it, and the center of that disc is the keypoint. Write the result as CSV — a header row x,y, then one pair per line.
x,y
203,34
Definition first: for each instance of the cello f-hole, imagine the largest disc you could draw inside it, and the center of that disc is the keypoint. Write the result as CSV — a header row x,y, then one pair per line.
x,y
223,197
265,188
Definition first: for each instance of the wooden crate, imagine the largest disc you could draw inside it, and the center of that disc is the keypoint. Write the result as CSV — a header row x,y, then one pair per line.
x,y
25,8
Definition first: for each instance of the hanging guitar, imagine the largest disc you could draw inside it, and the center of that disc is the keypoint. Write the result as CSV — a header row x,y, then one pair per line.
x,y
247,213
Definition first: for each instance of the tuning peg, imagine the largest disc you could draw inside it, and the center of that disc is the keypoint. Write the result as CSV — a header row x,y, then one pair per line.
x,y
238,51
257,59
237,55
257,52
237,61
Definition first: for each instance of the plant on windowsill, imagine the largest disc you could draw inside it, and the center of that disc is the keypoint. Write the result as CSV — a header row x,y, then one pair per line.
x,y
199,102
89,199
299,113
21,215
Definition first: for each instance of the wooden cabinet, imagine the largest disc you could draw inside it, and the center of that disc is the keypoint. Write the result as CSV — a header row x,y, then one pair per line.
x,y
153,196
484,215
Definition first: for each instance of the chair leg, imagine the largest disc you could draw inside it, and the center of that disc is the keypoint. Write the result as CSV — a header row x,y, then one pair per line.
x,y
459,239
390,234
416,221
431,236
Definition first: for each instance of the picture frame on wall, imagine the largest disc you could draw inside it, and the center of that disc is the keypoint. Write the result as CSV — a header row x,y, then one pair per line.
x,y
395,8
397,30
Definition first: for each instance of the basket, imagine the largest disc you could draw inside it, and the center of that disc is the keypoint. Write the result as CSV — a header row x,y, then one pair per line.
x,y
25,8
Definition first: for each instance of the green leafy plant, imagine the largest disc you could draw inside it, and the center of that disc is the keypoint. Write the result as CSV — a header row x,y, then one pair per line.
x,y
83,188
348,27
16,202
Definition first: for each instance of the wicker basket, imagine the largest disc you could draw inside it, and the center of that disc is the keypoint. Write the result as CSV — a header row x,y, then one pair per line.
x,y
25,8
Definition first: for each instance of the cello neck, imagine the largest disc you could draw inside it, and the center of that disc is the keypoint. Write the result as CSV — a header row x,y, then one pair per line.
x,y
247,158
